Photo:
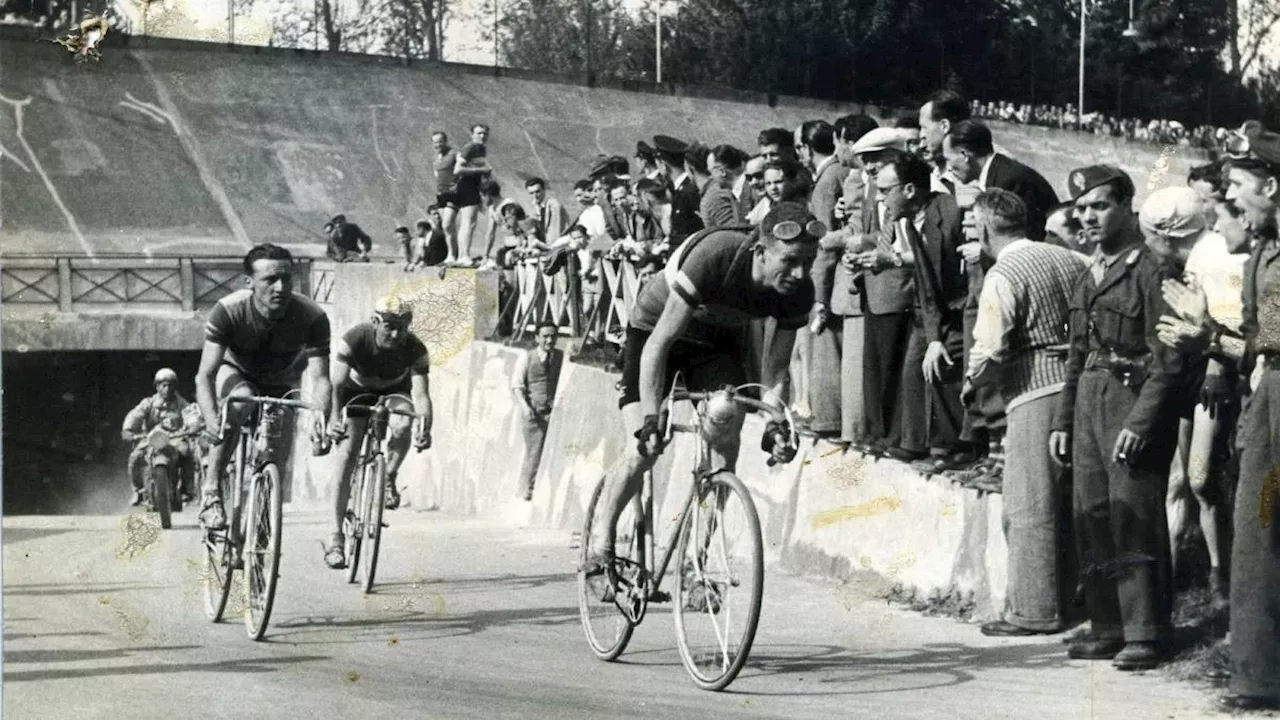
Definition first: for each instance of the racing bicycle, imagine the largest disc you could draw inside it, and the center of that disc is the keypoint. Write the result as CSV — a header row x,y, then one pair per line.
x,y
716,542
362,525
251,488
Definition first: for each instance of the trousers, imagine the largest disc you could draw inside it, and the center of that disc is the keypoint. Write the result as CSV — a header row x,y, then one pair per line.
x,y
535,435
1119,515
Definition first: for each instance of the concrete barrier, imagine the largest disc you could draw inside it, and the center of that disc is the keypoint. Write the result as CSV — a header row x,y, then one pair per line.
x,y
875,523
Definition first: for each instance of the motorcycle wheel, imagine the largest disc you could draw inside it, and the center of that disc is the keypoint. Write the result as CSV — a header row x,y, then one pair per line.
x,y
161,489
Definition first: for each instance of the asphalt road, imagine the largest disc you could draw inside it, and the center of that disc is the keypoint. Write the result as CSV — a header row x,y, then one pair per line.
x,y
477,618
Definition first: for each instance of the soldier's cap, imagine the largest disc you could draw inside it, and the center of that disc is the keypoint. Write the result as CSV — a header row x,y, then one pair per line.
x,y
1258,149
1175,212
669,145
600,166
788,221
644,149
1082,180
884,138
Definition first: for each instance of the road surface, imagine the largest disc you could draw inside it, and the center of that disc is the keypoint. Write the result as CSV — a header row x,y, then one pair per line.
x,y
478,619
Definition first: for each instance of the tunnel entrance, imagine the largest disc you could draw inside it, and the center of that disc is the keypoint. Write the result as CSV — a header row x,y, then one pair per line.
x,y
62,416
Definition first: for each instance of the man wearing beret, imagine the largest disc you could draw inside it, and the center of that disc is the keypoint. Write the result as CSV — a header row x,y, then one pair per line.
x,y
685,196
1114,426
1253,188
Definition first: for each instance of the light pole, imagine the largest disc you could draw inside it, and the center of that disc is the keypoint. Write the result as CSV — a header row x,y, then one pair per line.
x,y
1129,32
657,40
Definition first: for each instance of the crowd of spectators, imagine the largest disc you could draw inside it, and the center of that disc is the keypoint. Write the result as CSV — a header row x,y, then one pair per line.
x,y
1065,117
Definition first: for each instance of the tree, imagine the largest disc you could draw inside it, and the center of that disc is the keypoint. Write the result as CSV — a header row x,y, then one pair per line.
x,y
572,37
409,28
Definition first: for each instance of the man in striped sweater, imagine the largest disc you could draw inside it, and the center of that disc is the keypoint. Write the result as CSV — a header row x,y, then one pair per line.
x,y
1018,342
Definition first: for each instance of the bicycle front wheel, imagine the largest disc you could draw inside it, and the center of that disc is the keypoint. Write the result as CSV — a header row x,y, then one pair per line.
x,y
219,563
719,582
376,480
608,630
262,548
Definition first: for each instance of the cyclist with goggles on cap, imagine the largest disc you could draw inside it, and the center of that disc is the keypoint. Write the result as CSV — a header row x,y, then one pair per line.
x,y
164,409
692,319
378,358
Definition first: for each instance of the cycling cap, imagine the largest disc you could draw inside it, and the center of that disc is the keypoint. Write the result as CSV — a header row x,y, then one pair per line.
x,y
165,375
393,308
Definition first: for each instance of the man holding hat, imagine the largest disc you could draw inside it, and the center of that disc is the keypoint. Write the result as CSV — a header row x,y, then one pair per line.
x,y
1114,427
1253,188
685,196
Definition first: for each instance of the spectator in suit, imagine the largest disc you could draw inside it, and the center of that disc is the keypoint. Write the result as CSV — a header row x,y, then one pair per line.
x,y
931,225
685,196
602,188
533,384
893,398
823,336
937,115
548,213
347,242
727,200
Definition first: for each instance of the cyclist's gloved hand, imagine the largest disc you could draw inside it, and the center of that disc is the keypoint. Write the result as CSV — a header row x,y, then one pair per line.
x,y
320,441
337,429
422,441
777,442
650,434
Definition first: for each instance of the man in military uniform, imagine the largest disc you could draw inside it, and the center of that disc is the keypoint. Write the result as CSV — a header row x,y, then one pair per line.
x,y
1253,189
1113,425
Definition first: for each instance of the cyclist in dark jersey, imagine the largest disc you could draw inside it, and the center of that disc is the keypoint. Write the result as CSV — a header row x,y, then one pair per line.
x,y
691,318
380,357
257,342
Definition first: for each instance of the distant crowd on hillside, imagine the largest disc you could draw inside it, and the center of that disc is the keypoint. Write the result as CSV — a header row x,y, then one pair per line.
x,y
1065,117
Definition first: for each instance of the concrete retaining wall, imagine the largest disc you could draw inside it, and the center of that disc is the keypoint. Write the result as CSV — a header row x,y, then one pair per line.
x,y
874,523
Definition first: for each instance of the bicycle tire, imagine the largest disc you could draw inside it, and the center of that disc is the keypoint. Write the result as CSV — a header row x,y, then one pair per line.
x,y
373,519
746,523
218,550
262,549
588,595
353,523
161,494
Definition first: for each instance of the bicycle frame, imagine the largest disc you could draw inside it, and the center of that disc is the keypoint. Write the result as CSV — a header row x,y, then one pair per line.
x,y
701,472
379,415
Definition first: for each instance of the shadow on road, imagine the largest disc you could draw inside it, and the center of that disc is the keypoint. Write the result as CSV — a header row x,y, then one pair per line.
x,y
13,536
259,665
11,637
377,627
53,656
835,670
41,589
472,584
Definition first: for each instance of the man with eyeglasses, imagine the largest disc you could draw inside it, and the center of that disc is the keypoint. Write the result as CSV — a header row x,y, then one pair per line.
x,y
690,320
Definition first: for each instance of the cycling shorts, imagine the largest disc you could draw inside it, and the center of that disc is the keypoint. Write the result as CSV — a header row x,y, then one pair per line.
x,y
349,391
702,368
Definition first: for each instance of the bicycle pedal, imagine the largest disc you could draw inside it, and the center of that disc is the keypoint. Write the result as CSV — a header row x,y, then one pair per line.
x,y
659,596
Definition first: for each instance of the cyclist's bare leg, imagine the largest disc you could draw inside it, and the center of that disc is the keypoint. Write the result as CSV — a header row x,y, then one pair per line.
x,y
227,383
345,456
622,484
466,229
448,216
399,436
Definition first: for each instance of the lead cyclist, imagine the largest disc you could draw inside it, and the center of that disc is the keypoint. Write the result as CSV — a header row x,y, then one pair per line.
x,y
692,319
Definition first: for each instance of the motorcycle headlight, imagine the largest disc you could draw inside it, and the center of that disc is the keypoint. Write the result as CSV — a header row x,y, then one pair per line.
x,y
158,439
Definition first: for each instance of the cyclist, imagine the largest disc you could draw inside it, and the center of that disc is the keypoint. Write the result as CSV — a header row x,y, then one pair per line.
x,y
165,409
381,357
257,342
692,318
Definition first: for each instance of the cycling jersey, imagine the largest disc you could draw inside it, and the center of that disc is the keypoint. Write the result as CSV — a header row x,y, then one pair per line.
x,y
373,367
712,272
265,350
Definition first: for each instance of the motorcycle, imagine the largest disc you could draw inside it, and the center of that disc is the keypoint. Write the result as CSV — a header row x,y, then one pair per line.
x,y
162,479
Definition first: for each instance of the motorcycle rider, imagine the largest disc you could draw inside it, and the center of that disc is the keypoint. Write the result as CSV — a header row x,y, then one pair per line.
x,y
165,410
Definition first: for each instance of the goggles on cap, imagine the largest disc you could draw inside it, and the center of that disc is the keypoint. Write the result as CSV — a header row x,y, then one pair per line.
x,y
1237,145
790,229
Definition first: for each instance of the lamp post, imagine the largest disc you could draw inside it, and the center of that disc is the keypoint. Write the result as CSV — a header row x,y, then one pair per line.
x,y
657,41
1130,32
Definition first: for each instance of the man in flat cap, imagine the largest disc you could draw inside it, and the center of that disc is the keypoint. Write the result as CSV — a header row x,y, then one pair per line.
x,y
685,196
1253,188
1114,426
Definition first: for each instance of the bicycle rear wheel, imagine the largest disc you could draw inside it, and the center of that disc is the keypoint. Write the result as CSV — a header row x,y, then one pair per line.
x,y
376,480
608,630
353,523
262,549
719,581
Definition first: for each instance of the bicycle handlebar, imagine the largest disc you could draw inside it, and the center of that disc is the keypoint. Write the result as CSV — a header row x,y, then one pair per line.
x,y
740,398
368,410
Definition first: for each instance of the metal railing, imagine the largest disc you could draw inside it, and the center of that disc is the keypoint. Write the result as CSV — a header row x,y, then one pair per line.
x,y
106,284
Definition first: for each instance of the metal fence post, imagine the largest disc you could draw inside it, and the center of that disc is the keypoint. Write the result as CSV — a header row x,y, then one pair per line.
x,y
64,284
